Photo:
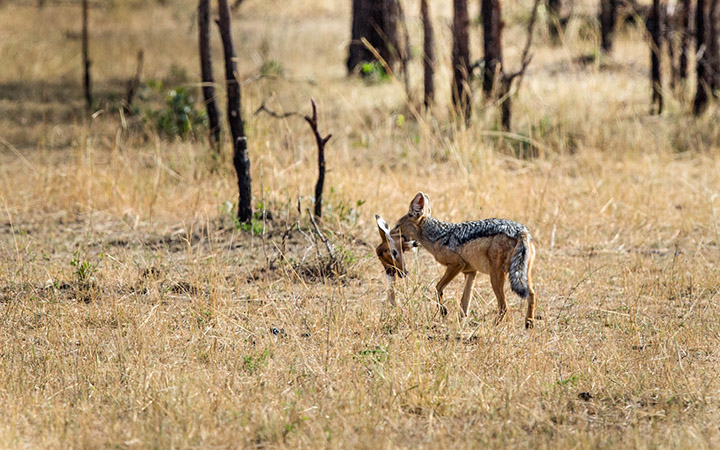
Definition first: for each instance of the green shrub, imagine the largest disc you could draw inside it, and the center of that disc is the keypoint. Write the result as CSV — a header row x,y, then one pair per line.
x,y
179,117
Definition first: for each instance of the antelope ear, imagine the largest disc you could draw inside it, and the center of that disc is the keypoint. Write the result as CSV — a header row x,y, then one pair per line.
x,y
384,229
419,206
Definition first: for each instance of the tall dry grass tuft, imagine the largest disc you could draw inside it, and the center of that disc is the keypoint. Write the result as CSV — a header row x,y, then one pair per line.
x,y
135,312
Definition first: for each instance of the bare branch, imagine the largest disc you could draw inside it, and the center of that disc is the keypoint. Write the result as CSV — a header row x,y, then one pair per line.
x,y
319,140
526,55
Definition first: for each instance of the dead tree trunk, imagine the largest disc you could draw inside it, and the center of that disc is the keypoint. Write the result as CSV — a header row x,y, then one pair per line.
x,y
492,44
234,116
670,37
377,22
506,85
608,19
404,49
713,46
208,81
461,93
702,65
655,23
134,83
428,54
685,38
320,141
86,55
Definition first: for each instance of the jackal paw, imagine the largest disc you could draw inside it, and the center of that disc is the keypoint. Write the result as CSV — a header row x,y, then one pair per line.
x,y
529,323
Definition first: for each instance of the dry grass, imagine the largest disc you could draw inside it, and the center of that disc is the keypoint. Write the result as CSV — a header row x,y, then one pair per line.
x,y
133,313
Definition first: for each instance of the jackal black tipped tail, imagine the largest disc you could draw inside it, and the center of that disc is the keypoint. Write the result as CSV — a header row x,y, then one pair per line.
x,y
519,266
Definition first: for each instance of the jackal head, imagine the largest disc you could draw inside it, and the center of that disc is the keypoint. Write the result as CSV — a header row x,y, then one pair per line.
x,y
391,250
410,225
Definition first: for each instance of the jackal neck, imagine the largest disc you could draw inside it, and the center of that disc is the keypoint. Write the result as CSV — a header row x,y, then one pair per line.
x,y
435,230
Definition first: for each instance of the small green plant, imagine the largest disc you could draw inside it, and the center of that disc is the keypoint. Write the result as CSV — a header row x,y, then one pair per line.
x,y
374,71
252,363
227,209
255,225
272,69
179,117
84,270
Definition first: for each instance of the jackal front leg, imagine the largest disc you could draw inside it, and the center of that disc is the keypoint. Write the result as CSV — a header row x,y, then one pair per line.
x,y
451,272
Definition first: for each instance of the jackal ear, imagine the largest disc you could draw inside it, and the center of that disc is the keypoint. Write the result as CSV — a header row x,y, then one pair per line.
x,y
419,206
384,229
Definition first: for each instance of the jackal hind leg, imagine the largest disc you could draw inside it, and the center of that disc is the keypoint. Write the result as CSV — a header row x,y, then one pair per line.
x,y
467,292
451,272
497,280
530,317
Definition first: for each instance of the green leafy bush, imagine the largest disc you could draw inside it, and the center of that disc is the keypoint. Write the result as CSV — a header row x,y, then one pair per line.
x,y
179,117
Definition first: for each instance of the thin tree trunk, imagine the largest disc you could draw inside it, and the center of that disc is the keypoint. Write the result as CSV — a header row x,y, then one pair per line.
x,y
208,81
492,45
670,36
655,24
702,66
506,105
685,38
506,82
234,116
134,82
608,19
405,48
320,141
461,93
86,55
714,46
428,54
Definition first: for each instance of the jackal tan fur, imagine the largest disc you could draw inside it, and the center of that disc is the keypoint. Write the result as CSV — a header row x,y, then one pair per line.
x,y
493,246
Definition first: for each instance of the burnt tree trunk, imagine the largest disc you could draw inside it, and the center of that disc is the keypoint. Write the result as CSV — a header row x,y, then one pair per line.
x,y
86,55
702,65
377,22
134,83
234,116
685,38
655,24
428,54
492,45
506,83
713,46
320,141
208,81
670,37
608,19
461,93
404,49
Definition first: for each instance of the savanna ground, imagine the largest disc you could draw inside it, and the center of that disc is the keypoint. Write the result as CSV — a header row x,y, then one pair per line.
x,y
135,313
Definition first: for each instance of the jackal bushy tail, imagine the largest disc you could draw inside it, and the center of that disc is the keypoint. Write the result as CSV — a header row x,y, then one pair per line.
x,y
519,266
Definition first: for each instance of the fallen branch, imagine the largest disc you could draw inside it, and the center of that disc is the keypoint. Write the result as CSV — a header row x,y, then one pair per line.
x,y
324,240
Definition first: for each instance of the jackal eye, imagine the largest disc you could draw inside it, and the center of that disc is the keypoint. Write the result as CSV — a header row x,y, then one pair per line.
x,y
394,253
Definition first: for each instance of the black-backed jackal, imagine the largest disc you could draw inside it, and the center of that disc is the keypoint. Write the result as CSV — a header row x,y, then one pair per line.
x,y
493,246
